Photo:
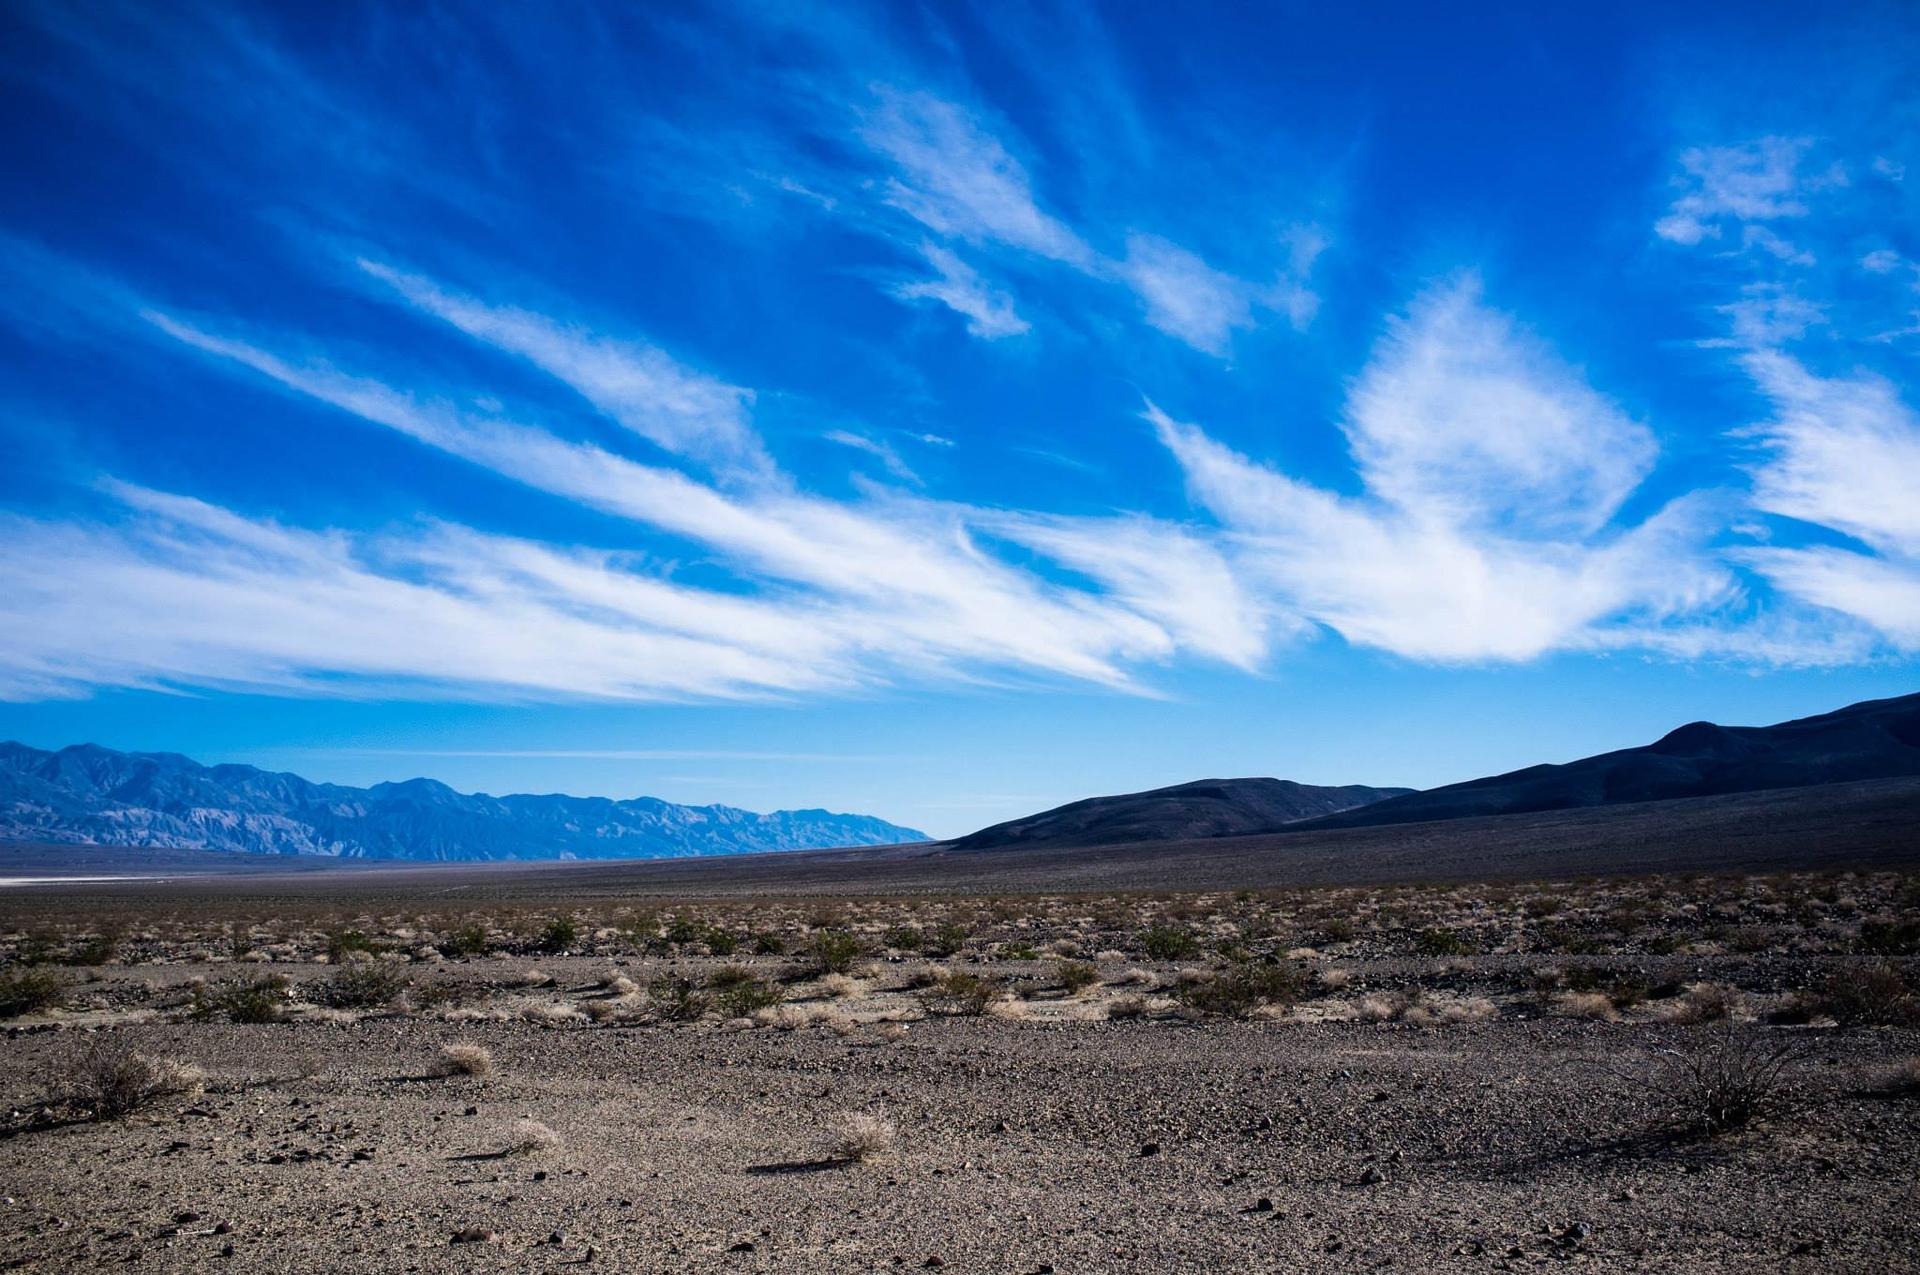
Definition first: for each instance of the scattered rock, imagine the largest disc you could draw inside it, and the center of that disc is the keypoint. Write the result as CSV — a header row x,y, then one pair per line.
x,y
473,1235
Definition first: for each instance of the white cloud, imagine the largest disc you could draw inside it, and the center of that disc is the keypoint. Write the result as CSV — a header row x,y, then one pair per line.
x,y
1185,297
640,386
882,452
1881,261
1462,418
1844,453
1752,182
908,566
956,178
1492,477
989,312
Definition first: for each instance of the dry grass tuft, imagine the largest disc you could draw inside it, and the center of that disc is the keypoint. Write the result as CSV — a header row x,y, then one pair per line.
x,y
465,1060
1592,1006
530,1137
859,1138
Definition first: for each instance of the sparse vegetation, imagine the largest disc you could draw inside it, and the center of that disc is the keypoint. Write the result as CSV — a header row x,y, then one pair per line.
x,y
463,1059
112,1080
360,987
26,989
834,951
859,1138
1240,990
1169,943
1725,1080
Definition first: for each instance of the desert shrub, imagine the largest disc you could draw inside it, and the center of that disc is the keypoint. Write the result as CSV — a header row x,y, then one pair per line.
x,y
1876,996
1436,941
1703,1003
1169,943
903,938
360,987
722,942
1127,1007
469,940
1075,976
959,995
676,1000
859,1138
684,929
465,1060
1240,990
739,993
1019,952
24,989
97,950
1337,930
1726,1080
559,934
112,1080
769,945
252,1000
945,940
1890,938
834,951
343,944
1595,1006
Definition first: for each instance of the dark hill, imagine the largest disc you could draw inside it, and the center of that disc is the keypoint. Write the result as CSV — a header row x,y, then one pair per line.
x,y
1204,808
1878,739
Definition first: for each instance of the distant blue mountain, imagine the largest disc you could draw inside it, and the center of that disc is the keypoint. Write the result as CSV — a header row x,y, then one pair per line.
x,y
92,795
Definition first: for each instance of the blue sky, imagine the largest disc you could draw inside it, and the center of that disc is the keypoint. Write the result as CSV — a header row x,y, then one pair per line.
x,y
946,412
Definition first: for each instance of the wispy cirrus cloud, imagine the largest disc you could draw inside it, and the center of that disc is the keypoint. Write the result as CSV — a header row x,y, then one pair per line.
x,y
1492,479
989,312
635,383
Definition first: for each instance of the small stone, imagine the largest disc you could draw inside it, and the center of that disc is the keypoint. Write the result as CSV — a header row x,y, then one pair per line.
x,y
222,1228
1263,1205
933,1261
1372,1176
226,1250
744,1246
1150,1148
185,1216
539,1175
472,1235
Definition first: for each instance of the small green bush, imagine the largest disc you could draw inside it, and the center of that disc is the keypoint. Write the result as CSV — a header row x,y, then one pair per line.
x,y
364,986
1239,991
738,992
1019,952
959,995
722,942
677,1000
1877,996
834,951
1890,938
946,940
1075,976
26,989
768,945
560,934
903,938
343,943
1436,941
259,1000
1169,943
469,940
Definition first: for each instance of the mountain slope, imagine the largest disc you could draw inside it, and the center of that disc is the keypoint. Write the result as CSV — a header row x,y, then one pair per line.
x,y
1877,739
95,795
1204,808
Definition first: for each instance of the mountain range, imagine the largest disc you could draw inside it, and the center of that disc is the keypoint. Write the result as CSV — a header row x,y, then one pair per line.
x,y
1203,808
93,795
1877,739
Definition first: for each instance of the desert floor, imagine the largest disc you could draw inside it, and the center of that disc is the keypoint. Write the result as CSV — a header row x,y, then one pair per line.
x,y
1408,1078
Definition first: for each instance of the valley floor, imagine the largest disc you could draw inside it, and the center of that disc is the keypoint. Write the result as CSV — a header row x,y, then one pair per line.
x,y
1450,1078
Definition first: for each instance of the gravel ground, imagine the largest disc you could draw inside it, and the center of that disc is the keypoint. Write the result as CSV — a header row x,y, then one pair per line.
x,y
1022,1146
